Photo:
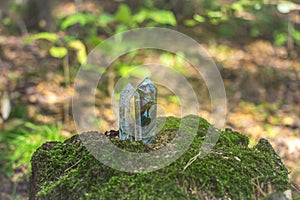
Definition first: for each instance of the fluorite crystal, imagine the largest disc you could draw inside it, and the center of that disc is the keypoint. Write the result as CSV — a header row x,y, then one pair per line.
x,y
138,112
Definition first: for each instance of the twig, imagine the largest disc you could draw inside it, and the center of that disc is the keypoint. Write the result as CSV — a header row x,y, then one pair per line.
x,y
295,187
259,189
191,161
73,165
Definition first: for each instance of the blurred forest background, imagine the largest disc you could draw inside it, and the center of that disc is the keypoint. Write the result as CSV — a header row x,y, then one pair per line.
x,y
255,44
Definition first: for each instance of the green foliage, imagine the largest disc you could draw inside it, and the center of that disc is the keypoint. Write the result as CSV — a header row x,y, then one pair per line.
x,y
245,19
149,16
120,21
123,14
105,19
60,47
296,36
286,7
78,18
22,140
58,52
280,38
6,21
162,17
51,37
83,28
135,71
199,18
175,61
80,48
174,99
19,111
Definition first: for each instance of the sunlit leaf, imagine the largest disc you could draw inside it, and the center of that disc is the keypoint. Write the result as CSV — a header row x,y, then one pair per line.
x,y
215,14
81,57
79,18
174,99
257,6
296,35
58,52
80,49
77,45
280,39
52,37
286,7
163,17
159,16
190,22
140,16
124,69
199,18
167,59
237,6
105,19
123,13
214,21
136,71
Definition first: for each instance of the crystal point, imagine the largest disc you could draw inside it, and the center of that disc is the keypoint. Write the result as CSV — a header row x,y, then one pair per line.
x,y
148,102
127,122
138,112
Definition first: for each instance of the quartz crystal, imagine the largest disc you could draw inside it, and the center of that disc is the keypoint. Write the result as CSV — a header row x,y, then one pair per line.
x,y
129,114
148,101
138,112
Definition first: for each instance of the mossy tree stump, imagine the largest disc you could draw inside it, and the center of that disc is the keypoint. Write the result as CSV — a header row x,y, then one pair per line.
x,y
231,170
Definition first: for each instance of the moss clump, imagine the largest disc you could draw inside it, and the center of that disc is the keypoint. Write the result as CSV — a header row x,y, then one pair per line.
x,y
230,171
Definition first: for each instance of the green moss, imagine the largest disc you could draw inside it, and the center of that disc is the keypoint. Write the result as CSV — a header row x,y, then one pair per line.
x,y
231,170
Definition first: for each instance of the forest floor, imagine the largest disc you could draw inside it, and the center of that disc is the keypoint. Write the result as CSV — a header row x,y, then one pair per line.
x,y
261,81
262,94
